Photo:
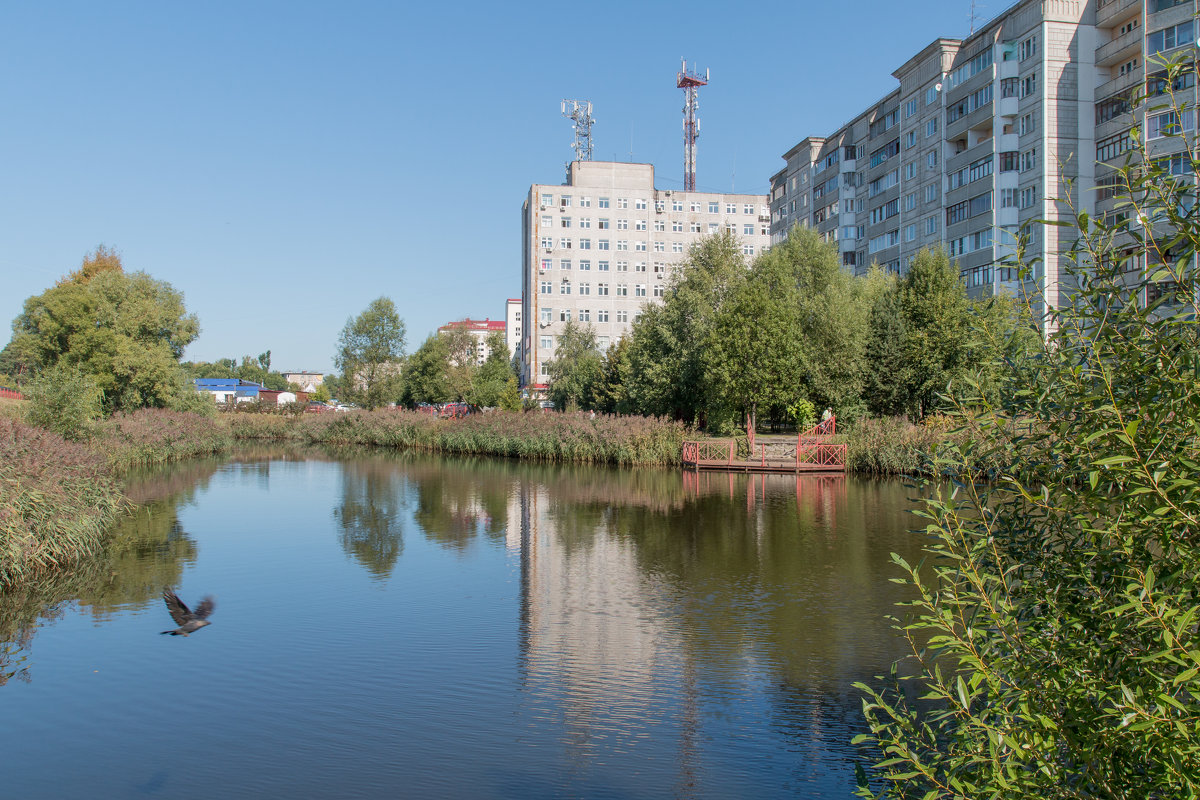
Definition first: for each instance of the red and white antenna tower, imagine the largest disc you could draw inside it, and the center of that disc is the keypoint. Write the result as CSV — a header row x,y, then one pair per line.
x,y
690,82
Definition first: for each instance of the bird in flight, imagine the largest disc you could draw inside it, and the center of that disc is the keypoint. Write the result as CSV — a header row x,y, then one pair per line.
x,y
188,621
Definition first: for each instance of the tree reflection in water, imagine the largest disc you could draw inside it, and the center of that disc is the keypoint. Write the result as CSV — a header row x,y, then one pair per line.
x,y
371,514
148,550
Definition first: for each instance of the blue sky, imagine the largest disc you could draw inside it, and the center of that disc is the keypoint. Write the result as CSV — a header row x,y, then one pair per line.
x,y
284,163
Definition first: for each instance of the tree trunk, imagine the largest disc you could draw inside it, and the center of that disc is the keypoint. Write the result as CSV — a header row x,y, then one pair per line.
x,y
750,423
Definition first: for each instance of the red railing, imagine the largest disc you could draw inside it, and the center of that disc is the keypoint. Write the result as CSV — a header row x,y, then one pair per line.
x,y
697,452
823,429
821,455
11,394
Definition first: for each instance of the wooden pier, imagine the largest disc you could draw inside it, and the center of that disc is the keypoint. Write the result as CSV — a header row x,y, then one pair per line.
x,y
813,452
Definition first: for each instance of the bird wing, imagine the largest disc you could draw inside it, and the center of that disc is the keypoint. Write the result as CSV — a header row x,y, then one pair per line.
x,y
179,612
205,608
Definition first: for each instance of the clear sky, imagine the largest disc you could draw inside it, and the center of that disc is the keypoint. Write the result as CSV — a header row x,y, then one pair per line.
x,y
284,163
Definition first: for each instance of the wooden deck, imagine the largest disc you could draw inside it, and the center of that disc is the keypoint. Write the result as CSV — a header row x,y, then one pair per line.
x,y
812,452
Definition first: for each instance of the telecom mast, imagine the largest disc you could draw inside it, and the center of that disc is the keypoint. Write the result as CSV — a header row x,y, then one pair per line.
x,y
580,114
690,82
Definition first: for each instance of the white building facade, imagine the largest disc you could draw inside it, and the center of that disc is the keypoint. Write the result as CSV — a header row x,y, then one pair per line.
x,y
601,246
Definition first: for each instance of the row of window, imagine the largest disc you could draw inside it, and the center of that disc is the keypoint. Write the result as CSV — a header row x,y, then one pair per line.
x,y
640,204
585,265
660,226
620,290
566,243
546,316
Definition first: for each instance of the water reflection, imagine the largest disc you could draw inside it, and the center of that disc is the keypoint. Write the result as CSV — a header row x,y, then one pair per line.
x,y
564,631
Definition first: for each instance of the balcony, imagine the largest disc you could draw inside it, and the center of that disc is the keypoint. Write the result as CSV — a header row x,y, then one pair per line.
x,y
1120,83
1112,13
1126,46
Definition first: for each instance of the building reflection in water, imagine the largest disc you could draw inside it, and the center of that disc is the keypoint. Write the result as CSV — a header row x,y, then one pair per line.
x,y
660,611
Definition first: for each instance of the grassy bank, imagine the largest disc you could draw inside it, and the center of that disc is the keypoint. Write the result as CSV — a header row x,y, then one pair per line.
x,y
564,438
58,497
893,445
56,500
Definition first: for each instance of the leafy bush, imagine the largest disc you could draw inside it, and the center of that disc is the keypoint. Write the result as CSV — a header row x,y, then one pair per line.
x,y
65,400
1056,633
156,436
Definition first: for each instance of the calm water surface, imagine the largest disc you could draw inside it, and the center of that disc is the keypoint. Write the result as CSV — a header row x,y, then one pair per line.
x,y
404,626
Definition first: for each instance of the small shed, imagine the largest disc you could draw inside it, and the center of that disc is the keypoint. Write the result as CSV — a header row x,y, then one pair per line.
x,y
223,389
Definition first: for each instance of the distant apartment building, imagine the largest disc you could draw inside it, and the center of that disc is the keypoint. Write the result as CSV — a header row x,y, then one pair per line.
x,y
480,329
513,326
975,141
599,247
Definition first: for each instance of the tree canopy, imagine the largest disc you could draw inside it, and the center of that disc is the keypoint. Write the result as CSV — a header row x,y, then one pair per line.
x,y
370,353
126,330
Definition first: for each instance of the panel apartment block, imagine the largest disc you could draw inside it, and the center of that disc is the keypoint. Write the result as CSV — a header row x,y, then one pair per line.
x,y
599,247
981,136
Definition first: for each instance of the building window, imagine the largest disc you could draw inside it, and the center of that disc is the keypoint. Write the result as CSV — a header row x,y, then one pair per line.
x,y
602,289
748,229
564,287
564,201
714,207
602,244
565,222
546,342
622,290
660,247
748,208
564,243
1028,197
622,316
585,288
1168,38
931,159
547,287
639,247
602,316
547,200
622,224
622,244
640,204
677,226
584,265
1029,84
910,171
1027,48
622,266
910,201
547,222
676,247
639,266
564,263
585,202
1170,123
622,202
585,222
564,315
748,249
910,139
677,205
602,266
639,224
585,244
1028,124
910,108
695,207
658,291
639,290
546,316
659,225
548,242
931,226
1029,159
602,202
660,206
585,315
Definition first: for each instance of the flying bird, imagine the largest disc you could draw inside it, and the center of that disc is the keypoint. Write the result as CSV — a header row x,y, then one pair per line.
x,y
188,621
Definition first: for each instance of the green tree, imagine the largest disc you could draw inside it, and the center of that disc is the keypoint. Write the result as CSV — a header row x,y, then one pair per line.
x,y
510,398
667,366
575,368
754,353
461,365
612,393
425,374
370,353
491,381
886,378
127,331
934,301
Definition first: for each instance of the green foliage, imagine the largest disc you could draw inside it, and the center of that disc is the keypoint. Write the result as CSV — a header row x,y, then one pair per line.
x,y
493,377
320,394
510,398
425,374
667,364
65,400
126,330
934,305
802,413
575,370
612,391
370,350
1056,624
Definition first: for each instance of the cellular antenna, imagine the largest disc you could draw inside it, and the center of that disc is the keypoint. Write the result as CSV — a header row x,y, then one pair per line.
x,y
690,82
580,114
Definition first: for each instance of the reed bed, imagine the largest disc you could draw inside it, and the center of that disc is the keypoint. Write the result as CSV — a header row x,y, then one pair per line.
x,y
155,436
57,498
894,446
563,438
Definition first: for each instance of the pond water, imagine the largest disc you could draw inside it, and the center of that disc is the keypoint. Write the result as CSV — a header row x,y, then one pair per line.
x,y
395,625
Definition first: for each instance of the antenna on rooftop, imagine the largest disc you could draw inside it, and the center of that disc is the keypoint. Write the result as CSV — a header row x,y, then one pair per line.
x,y
975,17
690,82
580,114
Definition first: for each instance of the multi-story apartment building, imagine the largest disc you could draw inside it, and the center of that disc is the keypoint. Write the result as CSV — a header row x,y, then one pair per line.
x,y
512,324
982,135
605,243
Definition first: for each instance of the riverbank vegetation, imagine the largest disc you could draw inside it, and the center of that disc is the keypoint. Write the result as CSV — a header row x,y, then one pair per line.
x,y
564,438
